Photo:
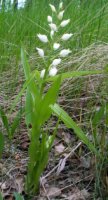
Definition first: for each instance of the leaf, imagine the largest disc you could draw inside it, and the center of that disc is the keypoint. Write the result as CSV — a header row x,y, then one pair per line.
x,y
98,116
71,124
18,196
4,120
53,192
49,98
28,108
32,86
26,66
1,198
59,148
74,74
1,143
15,123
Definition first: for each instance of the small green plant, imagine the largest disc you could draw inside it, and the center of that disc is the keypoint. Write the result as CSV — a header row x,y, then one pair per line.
x,y
16,195
40,102
10,128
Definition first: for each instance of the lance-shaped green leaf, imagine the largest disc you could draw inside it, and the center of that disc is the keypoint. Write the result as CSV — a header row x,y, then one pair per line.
x,y
49,98
15,123
1,198
4,120
18,196
71,124
32,85
75,74
1,143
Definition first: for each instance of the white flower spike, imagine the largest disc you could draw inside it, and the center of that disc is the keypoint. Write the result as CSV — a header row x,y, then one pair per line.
x,y
60,15
53,71
42,73
66,36
65,52
49,19
61,5
65,23
53,27
52,8
56,46
56,62
40,52
43,38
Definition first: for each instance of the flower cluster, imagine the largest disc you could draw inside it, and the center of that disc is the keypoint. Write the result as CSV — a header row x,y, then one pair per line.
x,y
52,69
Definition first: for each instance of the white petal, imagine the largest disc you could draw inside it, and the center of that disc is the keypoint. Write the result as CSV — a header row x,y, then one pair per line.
x,y
42,73
61,5
53,27
56,62
53,71
40,52
56,46
65,52
49,19
60,15
52,8
43,38
51,33
65,23
66,36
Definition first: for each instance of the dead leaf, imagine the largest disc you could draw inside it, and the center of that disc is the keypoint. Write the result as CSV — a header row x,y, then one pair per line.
x,y
79,195
85,162
53,192
59,148
19,181
61,166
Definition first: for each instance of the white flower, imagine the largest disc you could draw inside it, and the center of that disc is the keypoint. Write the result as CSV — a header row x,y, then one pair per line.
x,y
66,36
52,8
53,71
49,19
51,33
65,23
40,52
42,73
56,46
43,38
56,62
64,52
60,15
61,5
53,27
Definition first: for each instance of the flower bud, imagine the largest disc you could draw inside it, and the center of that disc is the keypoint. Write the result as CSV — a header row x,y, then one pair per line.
x,y
56,62
65,23
61,5
52,8
56,46
49,19
53,71
40,52
53,27
51,33
64,52
60,15
42,73
66,36
43,38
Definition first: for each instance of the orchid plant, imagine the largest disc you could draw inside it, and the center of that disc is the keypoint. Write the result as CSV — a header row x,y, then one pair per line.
x,y
40,105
